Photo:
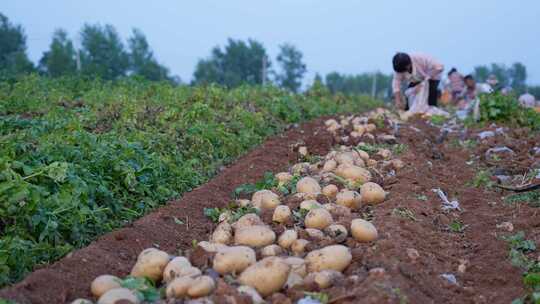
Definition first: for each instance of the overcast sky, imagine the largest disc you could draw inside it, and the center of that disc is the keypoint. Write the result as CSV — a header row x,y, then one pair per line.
x,y
344,36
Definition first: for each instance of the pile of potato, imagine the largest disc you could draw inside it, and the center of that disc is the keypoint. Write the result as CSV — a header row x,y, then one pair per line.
x,y
287,251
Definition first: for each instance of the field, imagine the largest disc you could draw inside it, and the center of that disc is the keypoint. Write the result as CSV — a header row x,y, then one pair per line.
x,y
93,157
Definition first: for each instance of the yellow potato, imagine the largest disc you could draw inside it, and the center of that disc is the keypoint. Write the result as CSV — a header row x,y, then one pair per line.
x,y
308,185
287,238
248,220
298,247
298,265
323,279
363,231
201,287
265,199
266,276
175,267
116,295
178,287
303,151
334,257
254,236
348,198
310,204
315,234
397,164
104,283
385,153
318,218
372,193
337,210
353,173
150,263
329,165
271,250
330,191
211,247
222,234
282,214
346,158
283,177
370,128
233,259
363,155
337,232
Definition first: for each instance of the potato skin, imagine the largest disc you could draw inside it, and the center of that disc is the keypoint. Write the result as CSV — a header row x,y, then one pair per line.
x,y
174,268
353,173
114,295
271,250
330,191
104,283
349,198
233,259
266,276
334,257
318,218
308,185
178,287
248,220
337,232
363,231
282,214
222,234
255,236
372,193
151,263
298,247
265,199
287,238
201,286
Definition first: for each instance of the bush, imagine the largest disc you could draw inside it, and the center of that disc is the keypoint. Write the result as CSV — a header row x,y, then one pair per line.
x,y
506,108
81,157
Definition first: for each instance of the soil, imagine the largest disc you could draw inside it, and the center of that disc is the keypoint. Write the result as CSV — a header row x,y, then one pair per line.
x,y
405,265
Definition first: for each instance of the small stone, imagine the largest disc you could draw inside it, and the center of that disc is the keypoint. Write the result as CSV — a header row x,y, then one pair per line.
x,y
413,254
462,268
506,226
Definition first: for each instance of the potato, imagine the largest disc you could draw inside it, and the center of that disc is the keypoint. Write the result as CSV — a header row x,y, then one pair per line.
x,y
81,301
211,247
265,199
384,153
333,128
174,268
104,283
345,158
337,232
303,151
355,134
284,177
150,263
363,231
248,220
286,239
323,279
330,122
337,210
189,271
282,214
310,204
348,198
371,163
222,234
318,218
178,287
201,287
397,164
266,276
298,265
360,129
329,165
330,191
252,293
308,185
233,259
360,163
370,128
271,250
315,234
243,202
116,295
363,155
372,193
298,247
353,173
254,236
334,257
300,168
293,280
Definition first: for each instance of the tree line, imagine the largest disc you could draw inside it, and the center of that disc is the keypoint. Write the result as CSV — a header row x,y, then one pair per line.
x,y
104,54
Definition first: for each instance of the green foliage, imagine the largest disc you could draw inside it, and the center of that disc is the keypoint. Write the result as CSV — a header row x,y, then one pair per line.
x,y
438,120
514,76
457,226
322,297
79,158
519,247
232,212
103,52
268,182
396,149
141,59
13,58
144,288
482,179
60,59
238,64
531,197
405,213
506,108
292,67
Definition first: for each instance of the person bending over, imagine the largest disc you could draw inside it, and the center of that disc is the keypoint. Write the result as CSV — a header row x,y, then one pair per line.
x,y
412,70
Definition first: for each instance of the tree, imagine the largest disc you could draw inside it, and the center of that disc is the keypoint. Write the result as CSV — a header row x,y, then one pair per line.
x,y
360,84
239,63
518,74
60,59
13,58
292,67
141,59
514,76
103,52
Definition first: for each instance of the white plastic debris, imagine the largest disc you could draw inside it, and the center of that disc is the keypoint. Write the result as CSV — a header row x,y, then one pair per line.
x,y
308,300
447,205
450,278
536,150
486,134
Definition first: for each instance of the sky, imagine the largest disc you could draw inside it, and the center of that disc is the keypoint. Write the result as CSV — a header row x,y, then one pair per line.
x,y
344,36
